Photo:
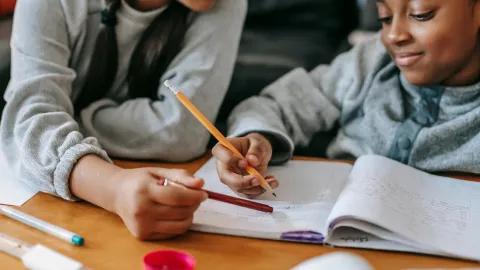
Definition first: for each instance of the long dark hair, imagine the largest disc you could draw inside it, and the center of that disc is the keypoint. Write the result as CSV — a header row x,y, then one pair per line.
x,y
159,44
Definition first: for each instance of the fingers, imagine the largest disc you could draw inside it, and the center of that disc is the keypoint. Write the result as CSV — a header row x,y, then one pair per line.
x,y
252,192
173,226
259,190
233,180
224,155
248,185
158,212
258,150
182,176
254,147
163,229
162,212
176,196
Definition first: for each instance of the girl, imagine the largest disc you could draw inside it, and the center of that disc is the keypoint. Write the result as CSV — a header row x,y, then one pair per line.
x,y
415,98
85,84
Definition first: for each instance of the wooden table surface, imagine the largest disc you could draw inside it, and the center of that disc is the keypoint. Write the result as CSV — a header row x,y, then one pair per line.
x,y
109,245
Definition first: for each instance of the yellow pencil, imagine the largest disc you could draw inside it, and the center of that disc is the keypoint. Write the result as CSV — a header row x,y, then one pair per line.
x,y
215,132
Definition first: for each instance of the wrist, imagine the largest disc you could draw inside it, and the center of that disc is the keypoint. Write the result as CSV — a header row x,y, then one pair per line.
x,y
92,179
115,192
111,190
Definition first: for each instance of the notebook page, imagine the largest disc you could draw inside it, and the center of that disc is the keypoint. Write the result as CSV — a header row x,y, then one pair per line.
x,y
437,212
306,196
359,234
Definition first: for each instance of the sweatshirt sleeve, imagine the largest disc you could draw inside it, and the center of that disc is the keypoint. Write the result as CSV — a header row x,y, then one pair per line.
x,y
165,129
299,104
38,136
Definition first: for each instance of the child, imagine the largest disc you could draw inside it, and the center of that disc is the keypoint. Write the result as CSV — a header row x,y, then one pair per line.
x,y
85,85
415,98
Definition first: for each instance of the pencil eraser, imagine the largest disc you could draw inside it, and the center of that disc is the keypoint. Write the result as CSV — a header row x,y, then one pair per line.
x,y
42,258
170,86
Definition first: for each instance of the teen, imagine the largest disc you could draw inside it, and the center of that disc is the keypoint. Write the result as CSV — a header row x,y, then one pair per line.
x,y
86,86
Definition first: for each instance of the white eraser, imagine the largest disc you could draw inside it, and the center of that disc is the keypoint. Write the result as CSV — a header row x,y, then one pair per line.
x,y
42,258
335,260
170,86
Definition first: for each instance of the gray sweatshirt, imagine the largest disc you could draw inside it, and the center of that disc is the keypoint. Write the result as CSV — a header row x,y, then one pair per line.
x,y
52,43
433,128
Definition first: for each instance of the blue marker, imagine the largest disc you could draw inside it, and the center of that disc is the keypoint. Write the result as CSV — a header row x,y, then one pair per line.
x,y
42,225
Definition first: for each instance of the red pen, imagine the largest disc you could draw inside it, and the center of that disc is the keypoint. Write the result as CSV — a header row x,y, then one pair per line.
x,y
225,198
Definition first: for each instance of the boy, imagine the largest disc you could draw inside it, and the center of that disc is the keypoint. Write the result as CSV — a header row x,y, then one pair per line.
x,y
411,94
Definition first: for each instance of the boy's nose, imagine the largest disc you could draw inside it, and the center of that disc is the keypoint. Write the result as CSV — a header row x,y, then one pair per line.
x,y
398,34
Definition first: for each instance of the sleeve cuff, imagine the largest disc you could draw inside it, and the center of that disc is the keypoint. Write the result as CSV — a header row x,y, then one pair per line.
x,y
61,176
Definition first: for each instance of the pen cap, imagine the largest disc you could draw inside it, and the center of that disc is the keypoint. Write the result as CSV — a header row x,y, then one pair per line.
x,y
168,260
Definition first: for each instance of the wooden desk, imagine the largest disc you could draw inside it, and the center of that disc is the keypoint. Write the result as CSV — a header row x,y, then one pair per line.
x,y
109,245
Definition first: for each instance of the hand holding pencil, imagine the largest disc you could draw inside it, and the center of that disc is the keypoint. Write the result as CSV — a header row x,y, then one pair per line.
x,y
252,185
224,198
231,168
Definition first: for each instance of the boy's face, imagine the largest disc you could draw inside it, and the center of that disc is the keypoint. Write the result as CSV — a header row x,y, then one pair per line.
x,y
198,5
195,5
433,41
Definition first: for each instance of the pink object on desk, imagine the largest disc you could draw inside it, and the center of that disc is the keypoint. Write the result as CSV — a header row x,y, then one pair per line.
x,y
168,260
7,7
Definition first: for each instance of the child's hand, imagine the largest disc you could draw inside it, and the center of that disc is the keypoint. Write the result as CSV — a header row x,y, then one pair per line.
x,y
231,168
153,211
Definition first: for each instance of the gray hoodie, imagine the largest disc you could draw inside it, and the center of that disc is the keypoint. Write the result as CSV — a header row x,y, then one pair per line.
x,y
431,128
52,44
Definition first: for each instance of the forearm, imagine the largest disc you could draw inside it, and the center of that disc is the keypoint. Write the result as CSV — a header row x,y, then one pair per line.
x,y
167,132
92,180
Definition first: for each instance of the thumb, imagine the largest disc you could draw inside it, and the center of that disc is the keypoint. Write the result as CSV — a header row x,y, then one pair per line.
x,y
257,150
179,175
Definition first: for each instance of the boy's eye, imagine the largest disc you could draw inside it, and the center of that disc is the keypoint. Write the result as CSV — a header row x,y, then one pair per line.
x,y
385,20
422,17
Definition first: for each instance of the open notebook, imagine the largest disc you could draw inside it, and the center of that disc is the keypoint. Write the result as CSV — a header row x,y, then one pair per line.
x,y
376,204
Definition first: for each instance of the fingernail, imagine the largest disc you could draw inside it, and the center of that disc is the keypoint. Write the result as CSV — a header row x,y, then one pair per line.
x,y
205,196
255,182
274,184
242,163
253,160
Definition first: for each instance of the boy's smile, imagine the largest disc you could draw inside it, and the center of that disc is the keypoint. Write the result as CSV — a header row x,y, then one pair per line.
x,y
433,41
406,59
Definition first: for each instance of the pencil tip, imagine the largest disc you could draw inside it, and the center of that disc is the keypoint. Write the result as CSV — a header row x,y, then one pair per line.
x,y
274,194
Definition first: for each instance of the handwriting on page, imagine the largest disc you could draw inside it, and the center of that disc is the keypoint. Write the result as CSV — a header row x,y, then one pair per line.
x,y
354,239
282,212
437,213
